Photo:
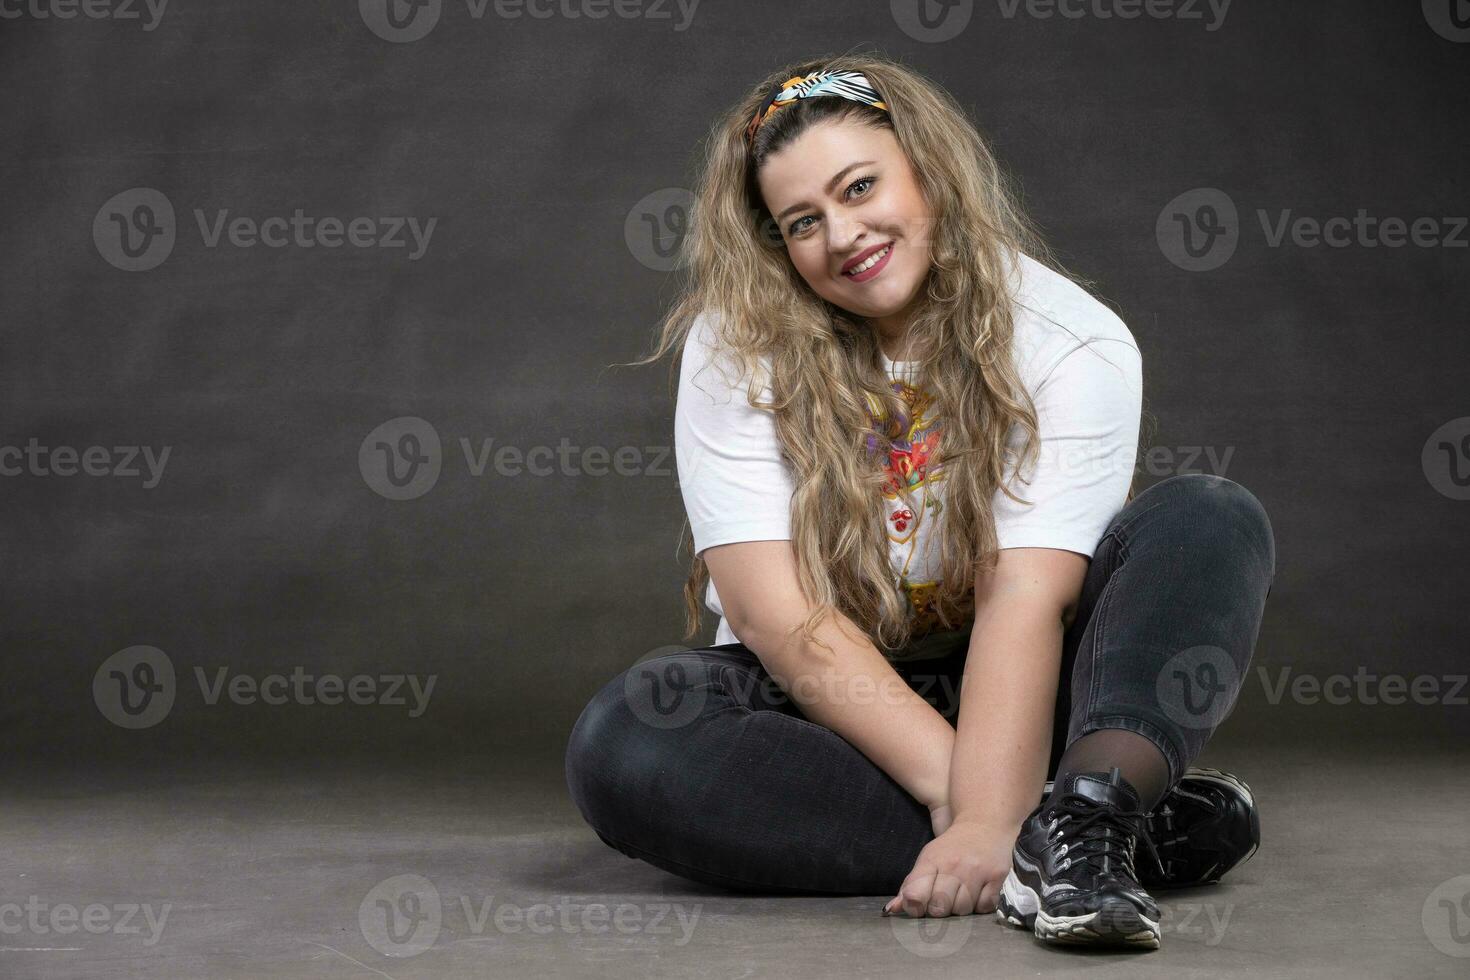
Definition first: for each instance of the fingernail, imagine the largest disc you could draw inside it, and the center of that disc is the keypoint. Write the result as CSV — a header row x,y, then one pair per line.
x,y
884,910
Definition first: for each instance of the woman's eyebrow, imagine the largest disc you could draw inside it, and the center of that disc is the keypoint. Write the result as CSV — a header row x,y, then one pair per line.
x,y
830,184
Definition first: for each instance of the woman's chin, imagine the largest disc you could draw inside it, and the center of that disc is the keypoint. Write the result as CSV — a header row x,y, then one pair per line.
x,y
879,307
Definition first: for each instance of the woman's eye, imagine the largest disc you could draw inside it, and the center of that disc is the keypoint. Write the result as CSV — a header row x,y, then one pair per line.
x,y
796,226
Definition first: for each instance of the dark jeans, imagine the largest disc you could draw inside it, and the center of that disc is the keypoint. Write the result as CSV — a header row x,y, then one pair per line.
x,y
696,762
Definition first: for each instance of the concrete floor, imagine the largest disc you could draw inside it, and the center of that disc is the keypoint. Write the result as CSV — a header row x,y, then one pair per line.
x,y
280,871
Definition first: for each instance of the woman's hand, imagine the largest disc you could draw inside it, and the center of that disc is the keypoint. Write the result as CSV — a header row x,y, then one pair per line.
x,y
960,872
940,817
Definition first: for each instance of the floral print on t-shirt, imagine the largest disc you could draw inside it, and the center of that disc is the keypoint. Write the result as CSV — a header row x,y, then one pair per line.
x,y
908,524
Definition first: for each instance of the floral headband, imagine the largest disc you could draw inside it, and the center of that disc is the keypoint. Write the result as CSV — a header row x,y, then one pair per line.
x,y
846,84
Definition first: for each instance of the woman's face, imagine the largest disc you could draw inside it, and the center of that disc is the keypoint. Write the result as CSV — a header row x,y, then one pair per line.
x,y
842,194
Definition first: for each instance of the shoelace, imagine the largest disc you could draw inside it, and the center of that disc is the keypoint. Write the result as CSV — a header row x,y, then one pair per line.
x,y
1098,850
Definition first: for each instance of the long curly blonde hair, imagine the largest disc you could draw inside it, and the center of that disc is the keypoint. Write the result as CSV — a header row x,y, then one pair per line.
x,y
825,375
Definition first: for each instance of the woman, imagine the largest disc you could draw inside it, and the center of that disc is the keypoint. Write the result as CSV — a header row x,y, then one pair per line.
x,y
906,446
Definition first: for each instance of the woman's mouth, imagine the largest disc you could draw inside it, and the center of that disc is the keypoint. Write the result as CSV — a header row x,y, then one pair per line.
x,y
872,265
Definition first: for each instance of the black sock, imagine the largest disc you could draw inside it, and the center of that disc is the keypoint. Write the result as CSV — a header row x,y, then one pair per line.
x,y
1140,760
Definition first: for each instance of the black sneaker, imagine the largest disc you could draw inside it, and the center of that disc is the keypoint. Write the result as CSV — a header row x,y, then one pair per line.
x,y
1072,880
1203,827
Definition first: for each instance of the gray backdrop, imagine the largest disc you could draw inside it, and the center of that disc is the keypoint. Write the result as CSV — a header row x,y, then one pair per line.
x,y
488,200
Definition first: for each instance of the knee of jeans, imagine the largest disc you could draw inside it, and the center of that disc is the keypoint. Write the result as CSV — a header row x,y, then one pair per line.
x,y
1224,506
596,752
618,748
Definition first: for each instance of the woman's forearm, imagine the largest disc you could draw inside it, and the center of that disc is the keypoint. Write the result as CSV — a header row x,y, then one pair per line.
x,y
854,691
1007,706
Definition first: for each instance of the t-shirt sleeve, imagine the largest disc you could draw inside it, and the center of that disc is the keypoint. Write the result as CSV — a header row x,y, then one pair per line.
x,y
1087,412
735,483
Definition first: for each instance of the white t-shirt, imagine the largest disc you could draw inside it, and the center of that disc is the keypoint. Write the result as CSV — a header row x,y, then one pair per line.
x,y
1078,361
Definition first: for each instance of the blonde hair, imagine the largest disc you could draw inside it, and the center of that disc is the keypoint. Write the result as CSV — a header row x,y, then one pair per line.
x,y
825,374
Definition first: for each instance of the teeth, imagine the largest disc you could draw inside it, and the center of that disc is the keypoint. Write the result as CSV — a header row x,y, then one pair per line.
x,y
871,261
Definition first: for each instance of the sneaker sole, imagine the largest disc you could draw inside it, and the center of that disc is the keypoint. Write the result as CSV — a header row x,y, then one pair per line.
x,y
1112,926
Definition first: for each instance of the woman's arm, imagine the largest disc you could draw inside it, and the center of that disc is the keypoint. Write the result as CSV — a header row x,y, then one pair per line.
x,y
1007,705
737,491
853,689
1008,696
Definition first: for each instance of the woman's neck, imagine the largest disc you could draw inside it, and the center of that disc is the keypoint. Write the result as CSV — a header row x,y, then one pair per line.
x,y
894,336
897,348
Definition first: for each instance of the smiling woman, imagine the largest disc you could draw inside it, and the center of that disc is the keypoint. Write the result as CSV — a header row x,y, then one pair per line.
x,y
861,238
905,436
